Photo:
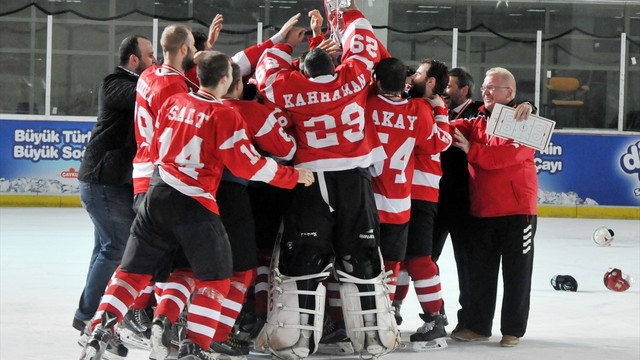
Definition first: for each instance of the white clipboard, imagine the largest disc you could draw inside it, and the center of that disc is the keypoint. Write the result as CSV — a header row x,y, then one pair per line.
x,y
535,132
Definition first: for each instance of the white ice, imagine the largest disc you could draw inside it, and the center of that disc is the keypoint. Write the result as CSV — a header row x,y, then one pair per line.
x,y
44,255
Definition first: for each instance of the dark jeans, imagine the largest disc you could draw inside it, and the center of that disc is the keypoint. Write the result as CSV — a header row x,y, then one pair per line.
x,y
110,209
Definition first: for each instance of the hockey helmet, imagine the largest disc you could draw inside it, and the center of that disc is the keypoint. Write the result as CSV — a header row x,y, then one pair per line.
x,y
564,282
616,280
603,236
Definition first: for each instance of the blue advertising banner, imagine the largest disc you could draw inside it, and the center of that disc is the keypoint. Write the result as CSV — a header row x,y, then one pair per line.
x,y
41,157
579,169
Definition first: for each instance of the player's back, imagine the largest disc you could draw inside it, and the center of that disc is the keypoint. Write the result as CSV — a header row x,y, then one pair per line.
x,y
401,126
328,117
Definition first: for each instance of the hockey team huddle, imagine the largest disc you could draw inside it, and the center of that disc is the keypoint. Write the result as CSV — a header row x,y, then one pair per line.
x,y
280,205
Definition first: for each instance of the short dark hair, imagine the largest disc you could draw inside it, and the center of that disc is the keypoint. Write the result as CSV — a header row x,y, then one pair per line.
x,y
464,79
318,62
200,39
439,71
237,76
212,67
392,74
129,46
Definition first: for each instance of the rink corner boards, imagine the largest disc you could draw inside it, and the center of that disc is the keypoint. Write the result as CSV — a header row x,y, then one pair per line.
x,y
587,212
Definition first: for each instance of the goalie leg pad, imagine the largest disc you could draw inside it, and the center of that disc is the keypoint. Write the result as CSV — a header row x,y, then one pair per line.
x,y
287,333
374,331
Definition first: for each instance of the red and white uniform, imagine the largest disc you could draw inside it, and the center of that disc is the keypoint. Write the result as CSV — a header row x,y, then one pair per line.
x,y
265,123
196,136
155,85
328,111
402,126
246,59
428,171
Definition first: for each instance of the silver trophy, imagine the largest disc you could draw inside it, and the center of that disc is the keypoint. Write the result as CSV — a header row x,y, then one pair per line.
x,y
332,5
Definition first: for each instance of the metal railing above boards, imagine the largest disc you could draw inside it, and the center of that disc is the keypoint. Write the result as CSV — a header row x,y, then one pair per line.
x,y
598,72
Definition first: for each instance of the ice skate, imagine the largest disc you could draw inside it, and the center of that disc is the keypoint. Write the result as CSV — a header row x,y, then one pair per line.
x,y
116,350
85,334
161,334
191,351
234,347
430,336
334,340
396,313
100,337
136,329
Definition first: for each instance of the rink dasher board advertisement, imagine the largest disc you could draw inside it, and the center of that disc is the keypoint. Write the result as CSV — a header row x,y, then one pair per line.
x,y
43,157
589,169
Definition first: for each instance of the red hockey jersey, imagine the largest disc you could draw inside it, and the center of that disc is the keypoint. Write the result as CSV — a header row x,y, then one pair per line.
x,y
197,136
502,174
428,171
328,111
402,126
265,123
154,87
246,59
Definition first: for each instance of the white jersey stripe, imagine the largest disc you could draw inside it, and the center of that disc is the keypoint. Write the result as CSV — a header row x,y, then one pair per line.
x,y
394,206
425,179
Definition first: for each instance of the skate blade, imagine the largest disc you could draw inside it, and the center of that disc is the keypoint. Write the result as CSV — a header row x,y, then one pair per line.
x,y
421,346
343,348
111,356
255,352
130,338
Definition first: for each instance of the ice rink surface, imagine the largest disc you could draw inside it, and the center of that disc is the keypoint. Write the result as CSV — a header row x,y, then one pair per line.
x,y
44,254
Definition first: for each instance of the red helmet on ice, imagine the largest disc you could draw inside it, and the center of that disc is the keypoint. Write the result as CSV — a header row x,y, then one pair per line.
x,y
615,280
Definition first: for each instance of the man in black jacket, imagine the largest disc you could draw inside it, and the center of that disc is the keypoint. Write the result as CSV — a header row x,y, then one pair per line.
x,y
453,200
106,189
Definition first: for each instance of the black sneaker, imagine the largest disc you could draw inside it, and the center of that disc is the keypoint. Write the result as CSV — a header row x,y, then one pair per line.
x,y
232,347
161,334
191,351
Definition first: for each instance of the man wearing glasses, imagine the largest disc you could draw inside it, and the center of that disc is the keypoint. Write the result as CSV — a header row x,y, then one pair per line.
x,y
503,190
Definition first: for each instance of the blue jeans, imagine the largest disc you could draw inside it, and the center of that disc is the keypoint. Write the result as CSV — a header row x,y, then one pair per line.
x,y
111,210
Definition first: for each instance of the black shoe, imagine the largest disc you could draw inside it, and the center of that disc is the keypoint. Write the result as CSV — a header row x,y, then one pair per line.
x,y
79,324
